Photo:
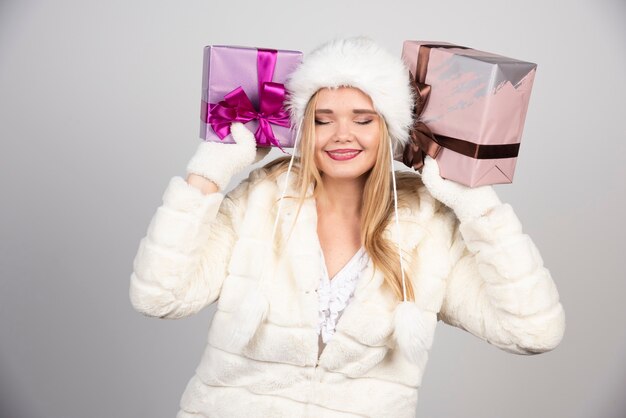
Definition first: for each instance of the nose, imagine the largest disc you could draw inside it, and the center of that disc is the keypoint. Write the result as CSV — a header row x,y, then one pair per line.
x,y
343,132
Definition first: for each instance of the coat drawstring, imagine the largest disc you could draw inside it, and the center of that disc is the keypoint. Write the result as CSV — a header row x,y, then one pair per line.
x,y
410,330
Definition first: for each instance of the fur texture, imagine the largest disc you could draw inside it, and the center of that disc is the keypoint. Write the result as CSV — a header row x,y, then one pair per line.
x,y
484,276
357,62
219,162
248,317
411,331
468,203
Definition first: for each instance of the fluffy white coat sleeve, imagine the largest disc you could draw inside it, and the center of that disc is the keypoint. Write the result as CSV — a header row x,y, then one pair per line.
x,y
499,289
182,261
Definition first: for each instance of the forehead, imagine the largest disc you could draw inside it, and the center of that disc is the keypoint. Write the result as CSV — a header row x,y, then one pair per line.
x,y
343,97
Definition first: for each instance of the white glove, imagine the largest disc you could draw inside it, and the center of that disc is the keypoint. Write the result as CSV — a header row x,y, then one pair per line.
x,y
219,162
467,202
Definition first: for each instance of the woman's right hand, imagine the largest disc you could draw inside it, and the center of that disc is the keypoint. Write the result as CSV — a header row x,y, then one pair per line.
x,y
218,162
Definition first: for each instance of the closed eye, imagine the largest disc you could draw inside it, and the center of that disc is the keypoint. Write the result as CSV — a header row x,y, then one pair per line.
x,y
319,122
365,122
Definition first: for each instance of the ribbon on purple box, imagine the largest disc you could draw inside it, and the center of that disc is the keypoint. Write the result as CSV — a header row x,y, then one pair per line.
x,y
237,107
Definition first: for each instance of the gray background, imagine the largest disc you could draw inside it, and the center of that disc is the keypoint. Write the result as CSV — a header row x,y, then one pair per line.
x,y
99,107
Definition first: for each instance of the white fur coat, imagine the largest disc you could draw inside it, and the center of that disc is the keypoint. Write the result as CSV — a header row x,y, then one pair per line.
x,y
484,276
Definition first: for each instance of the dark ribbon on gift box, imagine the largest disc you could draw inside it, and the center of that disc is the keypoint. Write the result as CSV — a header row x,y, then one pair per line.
x,y
237,107
424,142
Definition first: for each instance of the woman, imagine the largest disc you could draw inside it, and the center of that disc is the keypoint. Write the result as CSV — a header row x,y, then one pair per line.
x,y
406,251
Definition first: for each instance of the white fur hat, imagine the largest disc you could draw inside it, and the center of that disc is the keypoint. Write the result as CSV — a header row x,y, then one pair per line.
x,y
361,63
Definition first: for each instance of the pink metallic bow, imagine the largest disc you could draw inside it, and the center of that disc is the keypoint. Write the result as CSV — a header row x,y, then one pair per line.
x,y
237,107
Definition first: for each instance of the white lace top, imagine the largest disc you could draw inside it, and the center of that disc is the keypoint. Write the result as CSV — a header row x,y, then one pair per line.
x,y
335,294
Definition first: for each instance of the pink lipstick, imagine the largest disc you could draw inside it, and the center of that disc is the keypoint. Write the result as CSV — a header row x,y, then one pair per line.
x,y
343,154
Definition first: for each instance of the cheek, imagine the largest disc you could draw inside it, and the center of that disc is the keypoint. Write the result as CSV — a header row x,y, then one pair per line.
x,y
318,155
371,140
321,138
319,145
371,157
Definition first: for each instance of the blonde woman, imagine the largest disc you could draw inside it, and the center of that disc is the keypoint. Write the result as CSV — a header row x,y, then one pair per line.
x,y
330,270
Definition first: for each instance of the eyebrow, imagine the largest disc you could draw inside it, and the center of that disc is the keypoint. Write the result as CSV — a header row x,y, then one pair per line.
x,y
357,111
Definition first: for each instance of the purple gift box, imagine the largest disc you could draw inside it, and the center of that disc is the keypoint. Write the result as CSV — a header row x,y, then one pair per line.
x,y
471,110
243,84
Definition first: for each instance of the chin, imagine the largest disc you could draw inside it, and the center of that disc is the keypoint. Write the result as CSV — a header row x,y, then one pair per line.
x,y
346,173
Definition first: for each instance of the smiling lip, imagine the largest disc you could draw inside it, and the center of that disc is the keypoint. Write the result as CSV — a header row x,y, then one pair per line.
x,y
343,154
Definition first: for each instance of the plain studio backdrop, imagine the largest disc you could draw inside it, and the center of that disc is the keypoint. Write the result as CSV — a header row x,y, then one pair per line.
x,y
99,108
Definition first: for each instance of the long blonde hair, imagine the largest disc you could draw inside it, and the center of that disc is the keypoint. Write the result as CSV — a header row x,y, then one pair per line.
x,y
378,205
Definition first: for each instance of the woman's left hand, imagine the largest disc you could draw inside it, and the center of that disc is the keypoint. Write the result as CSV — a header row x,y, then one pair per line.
x,y
467,202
